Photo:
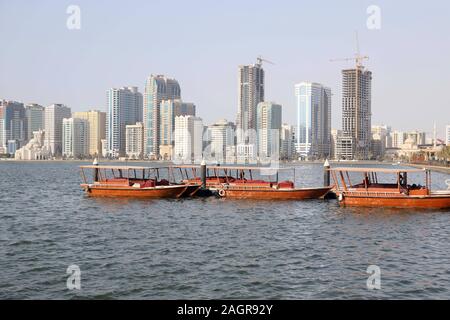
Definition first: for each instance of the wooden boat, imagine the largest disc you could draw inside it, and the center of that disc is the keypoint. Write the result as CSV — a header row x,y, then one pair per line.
x,y
238,183
138,182
373,193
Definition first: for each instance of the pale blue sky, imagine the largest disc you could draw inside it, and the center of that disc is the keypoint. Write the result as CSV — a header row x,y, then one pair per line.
x,y
201,43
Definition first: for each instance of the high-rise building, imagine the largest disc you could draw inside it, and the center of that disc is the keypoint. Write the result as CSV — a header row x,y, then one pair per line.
x,y
447,135
35,115
123,108
188,139
221,137
13,127
251,92
157,88
53,118
356,109
335,133
313,120
398,139
97,129
287,137
169,109
381,139
75,138
345,147
268,125
135,140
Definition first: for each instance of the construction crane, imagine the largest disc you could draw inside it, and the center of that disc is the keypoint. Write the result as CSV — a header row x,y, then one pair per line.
x,y
259,60
358,58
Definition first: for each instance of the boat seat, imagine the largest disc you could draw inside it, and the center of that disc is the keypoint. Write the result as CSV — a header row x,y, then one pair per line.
x,y
148,184
286,185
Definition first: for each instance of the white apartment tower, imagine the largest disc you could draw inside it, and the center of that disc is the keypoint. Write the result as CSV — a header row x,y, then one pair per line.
x,y
157,89
124,107
54,115
135,141
75,138
188,139
221,136
268,124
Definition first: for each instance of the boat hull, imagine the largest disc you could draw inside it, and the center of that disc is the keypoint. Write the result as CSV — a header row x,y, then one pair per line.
x,y
157,192
432,202
273,194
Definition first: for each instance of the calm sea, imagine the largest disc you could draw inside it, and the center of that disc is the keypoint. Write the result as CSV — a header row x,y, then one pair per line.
x,y
210,248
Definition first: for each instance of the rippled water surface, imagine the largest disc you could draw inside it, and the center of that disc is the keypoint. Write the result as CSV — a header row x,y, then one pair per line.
x,y
210,248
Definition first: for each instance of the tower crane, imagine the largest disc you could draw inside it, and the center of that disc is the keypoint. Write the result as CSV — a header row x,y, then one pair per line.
x,y
358,58
260,59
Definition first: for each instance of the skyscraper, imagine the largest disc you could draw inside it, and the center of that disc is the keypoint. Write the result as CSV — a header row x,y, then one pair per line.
x,y
251,92
313,120
123,108
221,135
13,126
188,139
35,115
169,109
97,129
54,115
356,109
75,138
398,139
287,142
268,124
157,88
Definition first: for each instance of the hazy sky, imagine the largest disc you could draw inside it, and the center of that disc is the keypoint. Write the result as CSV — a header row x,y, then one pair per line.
x,y
201,43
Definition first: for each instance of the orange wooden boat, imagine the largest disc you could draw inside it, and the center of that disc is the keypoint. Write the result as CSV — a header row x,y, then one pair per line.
x,y
239,183
137,182
373,193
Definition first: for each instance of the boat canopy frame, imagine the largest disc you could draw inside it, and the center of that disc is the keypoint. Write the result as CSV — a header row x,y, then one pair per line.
x,y
370,176
228,171
101,172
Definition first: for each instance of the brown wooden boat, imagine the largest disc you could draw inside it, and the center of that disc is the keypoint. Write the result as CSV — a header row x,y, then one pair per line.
x,y
239,183
138,182
373,193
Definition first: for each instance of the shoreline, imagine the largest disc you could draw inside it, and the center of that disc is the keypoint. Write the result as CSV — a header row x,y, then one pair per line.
x,y
293,162
335,162
432,168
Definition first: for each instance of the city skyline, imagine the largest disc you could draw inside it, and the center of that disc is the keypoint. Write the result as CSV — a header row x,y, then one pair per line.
x,y
399,70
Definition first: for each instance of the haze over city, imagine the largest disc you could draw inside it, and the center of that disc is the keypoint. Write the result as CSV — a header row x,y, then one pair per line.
x,y
201,43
